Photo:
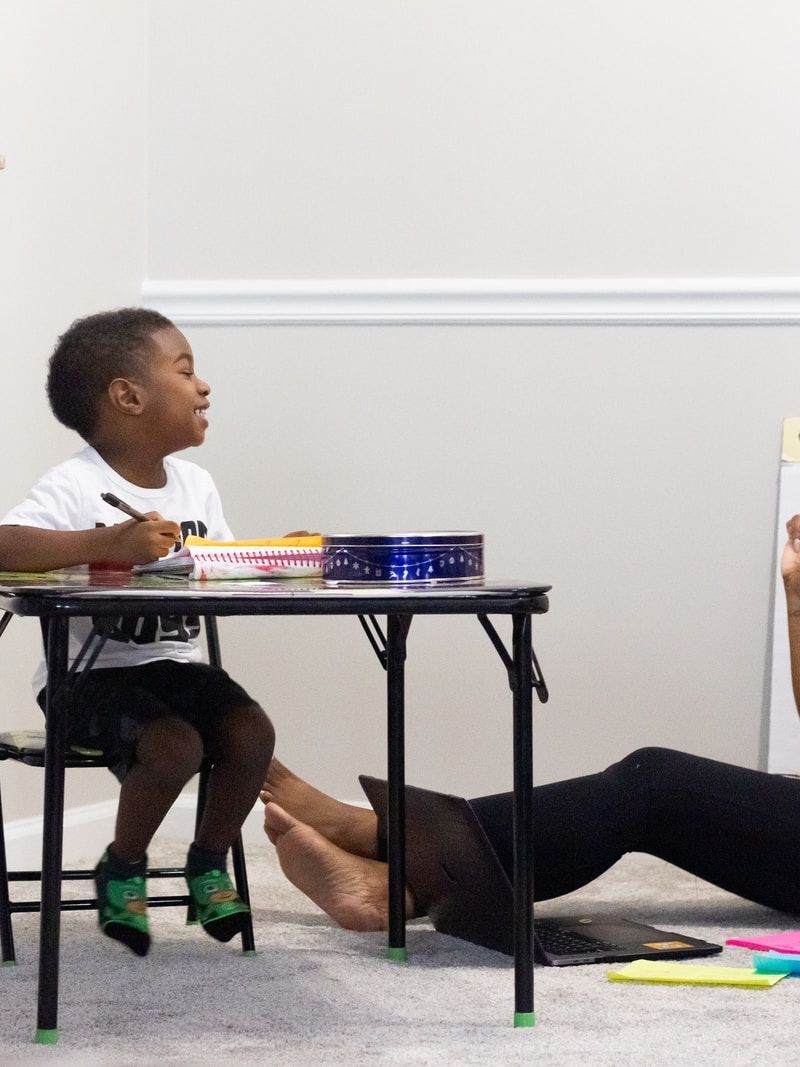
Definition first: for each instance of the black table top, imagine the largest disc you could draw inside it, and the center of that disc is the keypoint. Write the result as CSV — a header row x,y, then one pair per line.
x,y
115,593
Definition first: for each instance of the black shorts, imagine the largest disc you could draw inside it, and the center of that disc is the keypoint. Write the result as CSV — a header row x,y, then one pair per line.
x,y
114,704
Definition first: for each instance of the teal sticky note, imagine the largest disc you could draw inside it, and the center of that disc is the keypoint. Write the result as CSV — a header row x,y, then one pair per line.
x,y
777,963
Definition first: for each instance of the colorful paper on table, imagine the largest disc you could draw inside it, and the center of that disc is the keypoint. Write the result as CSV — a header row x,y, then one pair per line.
x,y
277,557
776,962
787,942
662,971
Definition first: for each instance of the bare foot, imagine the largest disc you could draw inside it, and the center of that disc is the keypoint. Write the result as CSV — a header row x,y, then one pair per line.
x,y
352,890
351,828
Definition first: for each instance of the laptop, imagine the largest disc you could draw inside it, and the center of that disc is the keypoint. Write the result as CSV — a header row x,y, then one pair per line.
x,y
459,882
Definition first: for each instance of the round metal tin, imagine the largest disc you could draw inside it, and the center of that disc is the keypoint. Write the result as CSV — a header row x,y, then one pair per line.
x,y
452,557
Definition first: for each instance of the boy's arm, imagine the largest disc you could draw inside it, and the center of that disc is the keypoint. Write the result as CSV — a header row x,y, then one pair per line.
x,y
29,548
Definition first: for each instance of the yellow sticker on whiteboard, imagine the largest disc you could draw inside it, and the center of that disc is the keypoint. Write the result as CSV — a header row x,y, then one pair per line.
x,y
790,452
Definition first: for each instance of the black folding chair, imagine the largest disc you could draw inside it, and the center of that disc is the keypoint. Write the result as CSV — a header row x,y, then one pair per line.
x,y
28,747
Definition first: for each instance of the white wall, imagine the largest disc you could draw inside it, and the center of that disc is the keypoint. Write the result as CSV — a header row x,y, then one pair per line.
x,y
569,144
486,138
72,220
634,468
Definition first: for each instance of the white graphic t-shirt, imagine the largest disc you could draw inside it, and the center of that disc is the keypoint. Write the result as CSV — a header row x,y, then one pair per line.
x,y
67,497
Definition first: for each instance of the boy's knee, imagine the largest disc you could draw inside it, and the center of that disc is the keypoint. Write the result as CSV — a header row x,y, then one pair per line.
x,y
269,736
248,735
171,748
263,732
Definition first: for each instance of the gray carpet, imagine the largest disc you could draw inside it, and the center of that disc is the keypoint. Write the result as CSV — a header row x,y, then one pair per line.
x,y
315,994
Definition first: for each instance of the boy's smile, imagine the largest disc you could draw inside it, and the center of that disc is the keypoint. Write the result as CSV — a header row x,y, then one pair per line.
x,y
177,400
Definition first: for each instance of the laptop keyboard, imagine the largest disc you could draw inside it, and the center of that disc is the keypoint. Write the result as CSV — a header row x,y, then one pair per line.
x,y
564,942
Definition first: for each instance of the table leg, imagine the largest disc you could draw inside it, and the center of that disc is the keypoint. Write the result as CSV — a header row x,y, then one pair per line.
x,y
55,754
396,630
6,933
523,822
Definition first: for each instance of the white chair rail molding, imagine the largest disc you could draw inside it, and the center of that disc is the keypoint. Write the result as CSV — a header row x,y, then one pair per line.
x,y
641,301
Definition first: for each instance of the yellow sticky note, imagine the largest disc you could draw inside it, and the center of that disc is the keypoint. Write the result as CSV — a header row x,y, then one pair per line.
x,y
692,974
311,541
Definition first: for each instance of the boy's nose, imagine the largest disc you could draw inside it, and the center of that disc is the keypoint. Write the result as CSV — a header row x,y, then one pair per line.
x,y
203,387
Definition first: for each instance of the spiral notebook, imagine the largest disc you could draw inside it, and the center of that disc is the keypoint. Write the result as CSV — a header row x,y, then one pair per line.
x,y
278,557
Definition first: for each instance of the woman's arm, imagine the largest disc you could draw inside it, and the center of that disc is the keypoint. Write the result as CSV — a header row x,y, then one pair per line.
x,y
790,571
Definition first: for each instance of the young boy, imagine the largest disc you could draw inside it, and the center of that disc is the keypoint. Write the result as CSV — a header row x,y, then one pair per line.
x,y
125,381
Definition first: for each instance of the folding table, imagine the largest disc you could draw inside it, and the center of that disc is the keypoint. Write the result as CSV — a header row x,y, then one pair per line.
x,y
57,597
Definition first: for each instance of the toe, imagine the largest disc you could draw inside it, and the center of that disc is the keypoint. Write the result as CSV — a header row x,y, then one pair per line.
x,y
278,821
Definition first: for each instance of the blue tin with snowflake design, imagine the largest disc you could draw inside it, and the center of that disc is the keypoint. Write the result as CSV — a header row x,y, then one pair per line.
x,y
438,557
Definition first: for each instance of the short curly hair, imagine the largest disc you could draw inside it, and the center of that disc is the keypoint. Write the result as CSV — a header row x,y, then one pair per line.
x,y
91,354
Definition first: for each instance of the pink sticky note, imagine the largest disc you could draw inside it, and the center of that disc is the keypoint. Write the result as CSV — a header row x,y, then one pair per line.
x,y
788,942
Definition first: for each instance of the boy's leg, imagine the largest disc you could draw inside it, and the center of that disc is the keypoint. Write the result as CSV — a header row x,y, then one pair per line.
x,y
240,744
168,754
155,722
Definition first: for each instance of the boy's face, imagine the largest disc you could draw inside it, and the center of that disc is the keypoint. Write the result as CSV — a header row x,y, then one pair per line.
x,y
176,399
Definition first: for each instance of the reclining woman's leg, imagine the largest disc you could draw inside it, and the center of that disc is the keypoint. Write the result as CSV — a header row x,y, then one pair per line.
x,y
731,826
734,827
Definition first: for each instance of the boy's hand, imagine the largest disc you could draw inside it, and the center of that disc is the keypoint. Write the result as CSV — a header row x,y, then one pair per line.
x,y
142,542
790,560
302,533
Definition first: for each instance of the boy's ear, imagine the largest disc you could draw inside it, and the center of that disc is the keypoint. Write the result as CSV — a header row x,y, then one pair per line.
x,y
126,397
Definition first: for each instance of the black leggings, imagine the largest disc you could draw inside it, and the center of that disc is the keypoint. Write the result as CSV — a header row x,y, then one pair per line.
x,y
734,827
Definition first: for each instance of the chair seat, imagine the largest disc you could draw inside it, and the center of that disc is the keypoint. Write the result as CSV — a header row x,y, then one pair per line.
x,y
27,746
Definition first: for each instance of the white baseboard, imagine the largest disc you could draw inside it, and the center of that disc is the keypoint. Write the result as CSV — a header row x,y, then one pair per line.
x,y
88,829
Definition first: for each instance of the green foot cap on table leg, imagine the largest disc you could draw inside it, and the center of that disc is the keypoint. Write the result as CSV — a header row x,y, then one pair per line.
x,y
248,952
9,963
399,955
524,1018
46,1037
